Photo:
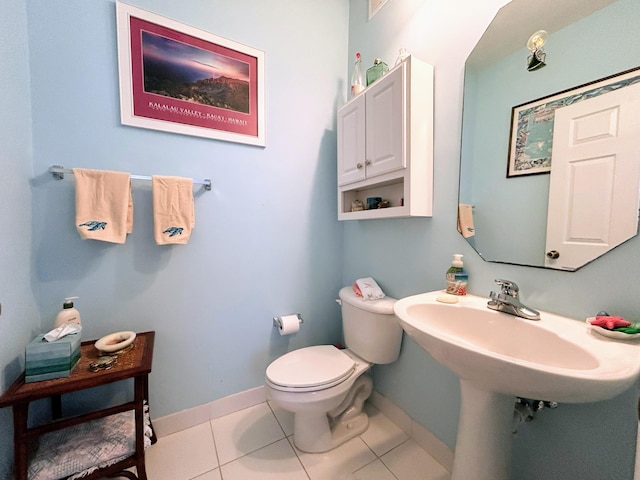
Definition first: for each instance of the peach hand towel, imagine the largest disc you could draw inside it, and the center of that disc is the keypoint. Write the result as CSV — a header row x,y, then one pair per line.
x,y
104,208
173,209
465,220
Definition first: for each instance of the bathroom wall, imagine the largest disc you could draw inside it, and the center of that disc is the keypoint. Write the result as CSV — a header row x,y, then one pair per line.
x,y
266,240
19,317
409,256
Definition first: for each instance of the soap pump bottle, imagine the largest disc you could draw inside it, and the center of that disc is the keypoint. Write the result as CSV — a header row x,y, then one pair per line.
x,y
68,314
457,277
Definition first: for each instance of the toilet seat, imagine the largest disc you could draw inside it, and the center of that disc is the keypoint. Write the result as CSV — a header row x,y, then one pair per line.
x,y
309,369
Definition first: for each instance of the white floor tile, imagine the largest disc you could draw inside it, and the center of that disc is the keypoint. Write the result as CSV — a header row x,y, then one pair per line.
x,y
410,462
182,455
338,463
285,418
382,434
273,462
250,445
245,431
374,471
212,475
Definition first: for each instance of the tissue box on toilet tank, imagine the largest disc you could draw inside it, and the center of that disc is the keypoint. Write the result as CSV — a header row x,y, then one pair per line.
x,y
48,360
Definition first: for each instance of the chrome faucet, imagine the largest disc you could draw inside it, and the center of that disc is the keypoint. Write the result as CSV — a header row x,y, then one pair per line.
x,y
507,301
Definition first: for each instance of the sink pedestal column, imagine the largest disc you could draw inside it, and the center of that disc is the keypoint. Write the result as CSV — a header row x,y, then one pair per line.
x,y
483,444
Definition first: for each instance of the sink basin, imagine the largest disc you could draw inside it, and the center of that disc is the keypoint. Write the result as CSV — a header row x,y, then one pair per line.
x,y
498,356
554,358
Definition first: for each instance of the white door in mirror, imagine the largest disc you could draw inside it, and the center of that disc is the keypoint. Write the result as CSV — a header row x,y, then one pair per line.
x,y
595,173
115,341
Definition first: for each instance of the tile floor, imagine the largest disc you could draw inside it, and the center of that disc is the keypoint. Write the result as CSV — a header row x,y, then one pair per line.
x,y
256,443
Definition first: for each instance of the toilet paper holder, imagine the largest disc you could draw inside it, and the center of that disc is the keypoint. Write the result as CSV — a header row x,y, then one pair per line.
x,y
277,321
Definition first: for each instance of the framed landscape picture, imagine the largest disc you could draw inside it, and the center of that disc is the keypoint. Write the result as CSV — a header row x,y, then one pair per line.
x,y
531,139
180,79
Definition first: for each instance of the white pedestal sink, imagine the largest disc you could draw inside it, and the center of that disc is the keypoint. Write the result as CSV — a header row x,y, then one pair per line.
x,y
499,356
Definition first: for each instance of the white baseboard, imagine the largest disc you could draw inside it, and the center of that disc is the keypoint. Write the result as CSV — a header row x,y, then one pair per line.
x,y
423,437
203,413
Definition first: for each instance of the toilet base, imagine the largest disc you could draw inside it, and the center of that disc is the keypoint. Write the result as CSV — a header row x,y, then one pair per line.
x,y
319,436
316,432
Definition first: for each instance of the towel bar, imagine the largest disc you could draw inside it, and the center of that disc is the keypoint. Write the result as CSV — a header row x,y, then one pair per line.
x,y
59,172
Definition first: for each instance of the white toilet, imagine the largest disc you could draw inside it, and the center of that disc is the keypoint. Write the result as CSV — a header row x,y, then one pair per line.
x,y
326,387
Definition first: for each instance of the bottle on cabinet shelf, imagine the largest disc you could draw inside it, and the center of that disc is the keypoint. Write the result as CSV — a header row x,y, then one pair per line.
x,y
402,56
374,73
357,79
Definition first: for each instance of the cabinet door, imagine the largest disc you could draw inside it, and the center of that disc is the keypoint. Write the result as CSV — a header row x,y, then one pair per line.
x,y
385,120
351,142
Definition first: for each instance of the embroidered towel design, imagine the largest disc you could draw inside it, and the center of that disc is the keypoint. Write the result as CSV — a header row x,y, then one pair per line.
x,y
173,231
104,207
173,209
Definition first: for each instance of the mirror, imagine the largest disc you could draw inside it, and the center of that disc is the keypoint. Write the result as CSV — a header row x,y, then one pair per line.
x,y
586,41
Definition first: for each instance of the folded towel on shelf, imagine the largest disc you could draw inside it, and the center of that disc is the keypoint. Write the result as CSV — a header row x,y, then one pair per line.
x,y
104,207
465,220
368,288
173,209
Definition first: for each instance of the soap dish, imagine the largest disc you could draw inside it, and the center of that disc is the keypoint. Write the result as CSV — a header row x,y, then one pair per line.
x,y
115,342
612,333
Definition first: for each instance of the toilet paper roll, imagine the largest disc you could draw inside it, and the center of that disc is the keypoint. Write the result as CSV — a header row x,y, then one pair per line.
x,y
289,324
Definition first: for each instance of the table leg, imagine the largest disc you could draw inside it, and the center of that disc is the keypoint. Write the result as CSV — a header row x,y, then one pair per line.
x,y
56,407
20,413
141,391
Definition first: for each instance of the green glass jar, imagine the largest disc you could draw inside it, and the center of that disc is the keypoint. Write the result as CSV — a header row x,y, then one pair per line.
x,y
374,73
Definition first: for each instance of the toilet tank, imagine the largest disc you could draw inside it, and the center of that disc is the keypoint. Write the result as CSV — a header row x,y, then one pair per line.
x,y
371,329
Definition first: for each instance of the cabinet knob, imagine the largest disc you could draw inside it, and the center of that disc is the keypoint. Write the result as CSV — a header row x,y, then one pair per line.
x,y
553,254
367,163
359,165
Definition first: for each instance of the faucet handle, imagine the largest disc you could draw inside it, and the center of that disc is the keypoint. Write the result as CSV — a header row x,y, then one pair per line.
x,y
508,287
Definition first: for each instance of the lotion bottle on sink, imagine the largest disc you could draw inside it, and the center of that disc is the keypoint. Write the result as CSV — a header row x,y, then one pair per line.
x,y
457,277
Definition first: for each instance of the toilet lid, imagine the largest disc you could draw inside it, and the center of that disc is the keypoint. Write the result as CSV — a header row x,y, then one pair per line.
x,y
317,366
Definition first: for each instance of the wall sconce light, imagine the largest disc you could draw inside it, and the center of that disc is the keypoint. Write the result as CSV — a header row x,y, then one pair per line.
x,y
536,60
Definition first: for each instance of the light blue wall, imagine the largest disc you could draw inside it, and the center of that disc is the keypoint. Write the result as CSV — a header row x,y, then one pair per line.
x,y
19,319
409,256
266,240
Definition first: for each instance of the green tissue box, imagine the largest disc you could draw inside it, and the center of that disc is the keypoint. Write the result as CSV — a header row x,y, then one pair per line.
x,y
48,360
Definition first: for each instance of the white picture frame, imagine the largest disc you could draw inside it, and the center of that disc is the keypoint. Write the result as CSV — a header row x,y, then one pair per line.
x,y
180,79
375,6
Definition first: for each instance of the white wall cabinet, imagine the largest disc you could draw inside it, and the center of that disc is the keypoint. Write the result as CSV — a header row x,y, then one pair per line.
x,y
385,145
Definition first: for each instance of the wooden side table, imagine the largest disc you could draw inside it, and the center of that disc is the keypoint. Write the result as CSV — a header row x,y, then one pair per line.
x,y
135,363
